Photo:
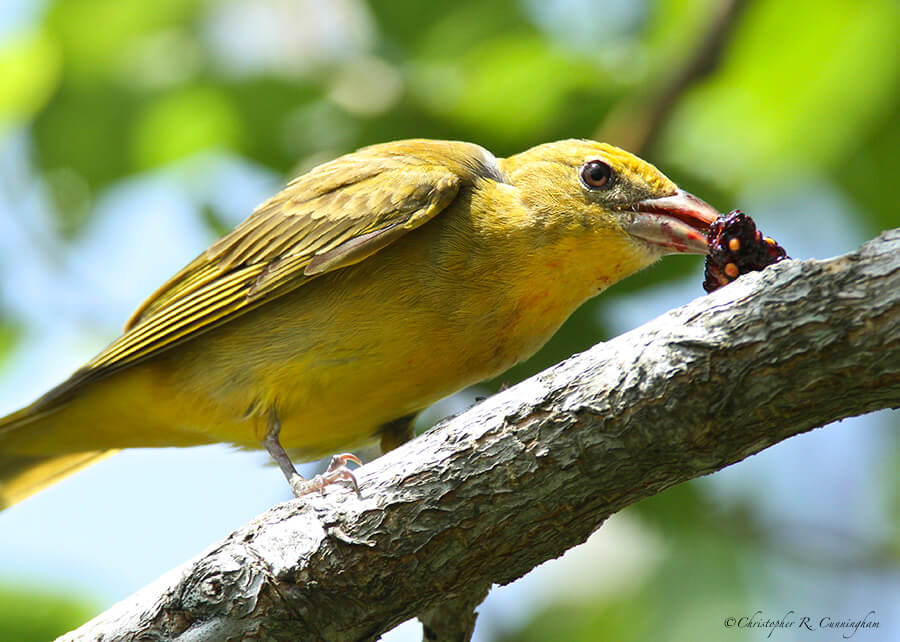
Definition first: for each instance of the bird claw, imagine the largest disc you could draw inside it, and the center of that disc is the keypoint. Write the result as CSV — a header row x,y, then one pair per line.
x,y
337,471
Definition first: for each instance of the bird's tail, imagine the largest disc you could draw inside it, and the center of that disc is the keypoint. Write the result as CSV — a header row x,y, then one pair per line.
x,y
24,475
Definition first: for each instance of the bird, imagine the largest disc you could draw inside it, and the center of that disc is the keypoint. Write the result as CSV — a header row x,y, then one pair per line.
x,y
369,288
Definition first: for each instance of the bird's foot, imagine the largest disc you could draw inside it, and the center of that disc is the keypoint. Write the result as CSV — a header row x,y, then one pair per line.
x,y
337,471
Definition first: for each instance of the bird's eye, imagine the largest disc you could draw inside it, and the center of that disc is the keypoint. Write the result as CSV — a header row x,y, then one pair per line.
x,y
596,174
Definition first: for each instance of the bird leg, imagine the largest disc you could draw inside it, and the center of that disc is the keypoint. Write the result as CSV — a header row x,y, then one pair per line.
x,y
337,469
397,432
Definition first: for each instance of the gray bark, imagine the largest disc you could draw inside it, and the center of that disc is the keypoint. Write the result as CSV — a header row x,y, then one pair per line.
x,y
520,478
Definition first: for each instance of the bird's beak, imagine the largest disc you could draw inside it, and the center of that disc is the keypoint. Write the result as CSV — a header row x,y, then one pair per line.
x,y
677,223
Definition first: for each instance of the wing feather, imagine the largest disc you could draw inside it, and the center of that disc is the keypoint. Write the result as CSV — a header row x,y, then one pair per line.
x,y
335,215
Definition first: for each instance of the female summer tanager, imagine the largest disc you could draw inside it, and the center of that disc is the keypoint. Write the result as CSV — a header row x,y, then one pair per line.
x,y
366,290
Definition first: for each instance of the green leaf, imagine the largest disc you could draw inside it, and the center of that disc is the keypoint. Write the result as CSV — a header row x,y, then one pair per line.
x,y
30,69
798,86
10,333
868,169
506,88
38,615
95,34
185,122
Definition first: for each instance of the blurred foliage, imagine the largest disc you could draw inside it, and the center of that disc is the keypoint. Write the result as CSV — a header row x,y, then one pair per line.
x,y
111,90
28,615
700,558
30,67
10,333
111,87
789,98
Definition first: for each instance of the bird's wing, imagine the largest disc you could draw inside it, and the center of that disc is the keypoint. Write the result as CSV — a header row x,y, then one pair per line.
x,y
332,217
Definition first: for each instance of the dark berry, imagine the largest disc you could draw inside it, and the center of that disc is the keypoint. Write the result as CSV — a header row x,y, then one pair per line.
x,y
737,247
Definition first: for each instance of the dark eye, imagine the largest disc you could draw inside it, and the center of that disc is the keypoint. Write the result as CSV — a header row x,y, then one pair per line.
x,y
596,174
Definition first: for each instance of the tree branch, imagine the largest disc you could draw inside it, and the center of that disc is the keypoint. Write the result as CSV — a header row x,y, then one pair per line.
x,y
534,470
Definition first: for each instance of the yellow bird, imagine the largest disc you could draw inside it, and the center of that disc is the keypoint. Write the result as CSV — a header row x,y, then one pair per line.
x,y
369,288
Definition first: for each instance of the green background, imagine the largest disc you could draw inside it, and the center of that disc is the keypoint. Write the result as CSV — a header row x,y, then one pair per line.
x,y
132,133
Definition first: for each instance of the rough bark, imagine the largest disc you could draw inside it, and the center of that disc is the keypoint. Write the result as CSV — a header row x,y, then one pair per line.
x,y
486,496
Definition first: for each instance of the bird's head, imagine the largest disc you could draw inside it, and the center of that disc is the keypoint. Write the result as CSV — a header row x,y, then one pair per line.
x,y
603,189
